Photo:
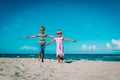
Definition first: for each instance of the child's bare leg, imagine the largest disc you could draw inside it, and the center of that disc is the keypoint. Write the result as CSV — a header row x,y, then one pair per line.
x,y
62,59
42,57
39,56
58,59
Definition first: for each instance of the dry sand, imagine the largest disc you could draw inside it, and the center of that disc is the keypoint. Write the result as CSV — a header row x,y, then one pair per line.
x,y
31,69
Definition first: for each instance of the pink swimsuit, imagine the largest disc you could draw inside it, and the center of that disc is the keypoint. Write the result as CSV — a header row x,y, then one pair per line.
x,y
60,48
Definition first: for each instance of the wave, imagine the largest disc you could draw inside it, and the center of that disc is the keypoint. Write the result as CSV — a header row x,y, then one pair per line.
x,y
88,57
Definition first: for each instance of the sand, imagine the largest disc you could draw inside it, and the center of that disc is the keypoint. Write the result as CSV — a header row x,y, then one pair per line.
x,y
31,69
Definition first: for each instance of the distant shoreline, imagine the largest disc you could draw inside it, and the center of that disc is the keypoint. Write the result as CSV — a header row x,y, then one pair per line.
x,y
87,57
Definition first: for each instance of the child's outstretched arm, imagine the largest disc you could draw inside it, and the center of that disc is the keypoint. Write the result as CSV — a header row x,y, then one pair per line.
x,y
51,36
50,42
31,36
69,39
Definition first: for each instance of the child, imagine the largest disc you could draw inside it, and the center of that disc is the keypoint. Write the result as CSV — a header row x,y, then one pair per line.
x,y
59,43
42,41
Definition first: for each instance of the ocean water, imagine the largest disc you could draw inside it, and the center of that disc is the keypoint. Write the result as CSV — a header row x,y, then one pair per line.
x,y
92,57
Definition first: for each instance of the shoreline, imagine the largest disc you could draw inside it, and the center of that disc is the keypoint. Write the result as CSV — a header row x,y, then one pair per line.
x,y
87,57
73,60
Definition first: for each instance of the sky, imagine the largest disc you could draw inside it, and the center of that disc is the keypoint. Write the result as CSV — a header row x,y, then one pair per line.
x,y
94,24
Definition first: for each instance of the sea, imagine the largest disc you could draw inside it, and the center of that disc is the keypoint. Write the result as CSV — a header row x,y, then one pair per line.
x,y
88,57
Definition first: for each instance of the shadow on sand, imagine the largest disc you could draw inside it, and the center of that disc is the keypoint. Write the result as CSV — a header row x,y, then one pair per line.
x,y
68,61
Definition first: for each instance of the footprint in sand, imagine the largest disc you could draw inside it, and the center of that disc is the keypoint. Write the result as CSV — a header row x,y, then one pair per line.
x,y
17,74
1,69
1,74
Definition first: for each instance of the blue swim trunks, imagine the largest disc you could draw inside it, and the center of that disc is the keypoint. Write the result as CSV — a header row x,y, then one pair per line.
x,y
42,49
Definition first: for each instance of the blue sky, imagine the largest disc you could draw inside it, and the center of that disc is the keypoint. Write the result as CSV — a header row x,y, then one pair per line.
x,y
95,24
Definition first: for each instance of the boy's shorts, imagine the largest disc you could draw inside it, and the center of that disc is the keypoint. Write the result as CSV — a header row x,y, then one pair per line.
x,y
42,49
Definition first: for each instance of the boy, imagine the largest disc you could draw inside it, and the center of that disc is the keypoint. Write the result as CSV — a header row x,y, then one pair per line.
x,y
42,41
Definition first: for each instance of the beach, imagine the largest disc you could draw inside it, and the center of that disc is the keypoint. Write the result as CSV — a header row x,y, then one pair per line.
x,y
32,69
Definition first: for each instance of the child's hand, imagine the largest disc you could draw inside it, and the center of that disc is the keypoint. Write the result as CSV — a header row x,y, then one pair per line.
x,y
74,40
27,37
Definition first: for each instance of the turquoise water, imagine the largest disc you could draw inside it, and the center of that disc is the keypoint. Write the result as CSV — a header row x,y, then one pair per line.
x,y
93,57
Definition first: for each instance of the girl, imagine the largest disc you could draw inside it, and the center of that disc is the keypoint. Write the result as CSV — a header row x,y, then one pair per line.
x,y
59,45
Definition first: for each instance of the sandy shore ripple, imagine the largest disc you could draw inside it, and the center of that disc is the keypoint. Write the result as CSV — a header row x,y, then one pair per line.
x,y
31,69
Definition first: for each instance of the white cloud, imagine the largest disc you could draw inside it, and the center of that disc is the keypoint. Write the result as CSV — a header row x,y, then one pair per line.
x,y
84,46
28,48
94,47
116,43
108,46
91,47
